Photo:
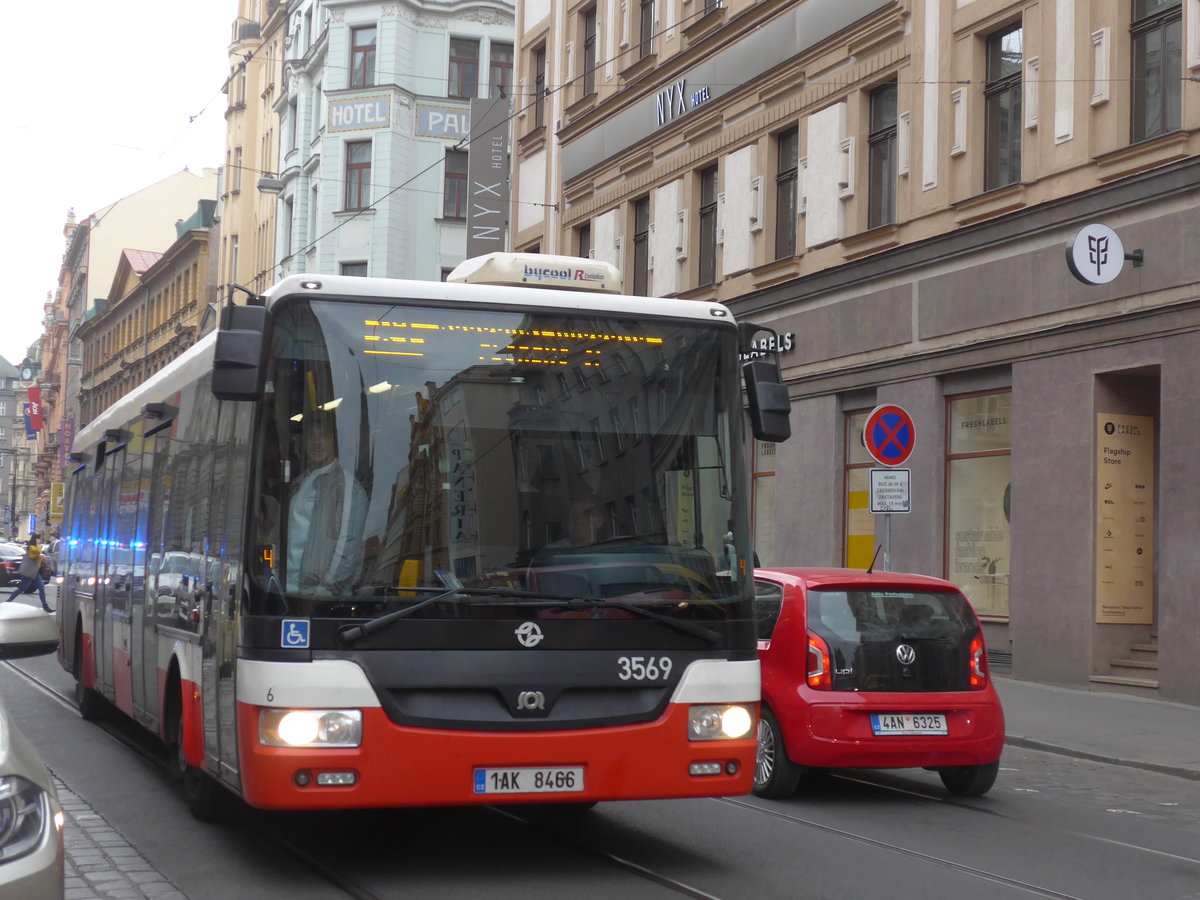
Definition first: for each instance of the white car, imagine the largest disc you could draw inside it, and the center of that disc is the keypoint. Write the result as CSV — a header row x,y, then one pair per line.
x,y
31,818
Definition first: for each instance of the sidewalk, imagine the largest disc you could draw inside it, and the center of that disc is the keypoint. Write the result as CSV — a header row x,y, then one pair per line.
x,y
100,863
1111,728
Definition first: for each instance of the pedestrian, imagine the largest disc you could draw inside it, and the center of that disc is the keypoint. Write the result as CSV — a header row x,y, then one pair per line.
x,y
30,571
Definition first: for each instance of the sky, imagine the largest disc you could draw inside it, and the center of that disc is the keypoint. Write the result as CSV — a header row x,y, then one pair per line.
x,y
102,99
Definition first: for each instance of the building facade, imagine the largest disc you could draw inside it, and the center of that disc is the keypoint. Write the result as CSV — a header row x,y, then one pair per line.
x,y
249,183
892,187
152,314
374,124
93,251
12,434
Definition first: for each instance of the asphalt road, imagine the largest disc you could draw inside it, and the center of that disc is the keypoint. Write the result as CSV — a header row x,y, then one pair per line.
x,y
1053,826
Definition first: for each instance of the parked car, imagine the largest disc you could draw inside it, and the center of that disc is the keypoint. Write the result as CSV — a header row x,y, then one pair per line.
x,y
32,856
50,558
11,555
872,670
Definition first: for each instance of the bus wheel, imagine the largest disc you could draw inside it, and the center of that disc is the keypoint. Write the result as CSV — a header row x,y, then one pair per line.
x,y
206,800
92,705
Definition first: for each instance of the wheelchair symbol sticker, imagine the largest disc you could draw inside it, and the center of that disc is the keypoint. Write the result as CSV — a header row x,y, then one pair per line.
x,y
294,634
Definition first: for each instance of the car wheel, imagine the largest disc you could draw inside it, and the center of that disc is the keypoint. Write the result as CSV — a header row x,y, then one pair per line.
x,y
775,776
969,781
92,705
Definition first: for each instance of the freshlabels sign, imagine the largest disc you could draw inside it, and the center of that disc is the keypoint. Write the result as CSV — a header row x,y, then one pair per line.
x,y
1096,255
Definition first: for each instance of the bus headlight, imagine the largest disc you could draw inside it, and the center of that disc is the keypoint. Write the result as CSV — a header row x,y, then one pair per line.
x,y
719,723
310,727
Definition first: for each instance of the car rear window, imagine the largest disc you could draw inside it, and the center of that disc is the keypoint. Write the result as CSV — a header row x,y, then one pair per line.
x,y
865,628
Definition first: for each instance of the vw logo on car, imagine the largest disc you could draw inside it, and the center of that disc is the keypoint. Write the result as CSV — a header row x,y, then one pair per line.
x,y
906,654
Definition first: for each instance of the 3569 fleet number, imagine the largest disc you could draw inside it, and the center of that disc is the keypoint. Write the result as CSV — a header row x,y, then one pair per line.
x,y
644,668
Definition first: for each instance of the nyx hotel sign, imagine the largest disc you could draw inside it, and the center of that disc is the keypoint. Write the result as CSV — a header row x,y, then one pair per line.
x,y
675,101
487,173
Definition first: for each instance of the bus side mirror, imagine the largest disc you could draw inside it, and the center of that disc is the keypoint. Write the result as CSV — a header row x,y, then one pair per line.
x,y
770,406
239,361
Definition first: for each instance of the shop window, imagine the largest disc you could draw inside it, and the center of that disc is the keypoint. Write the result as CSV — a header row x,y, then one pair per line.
x,y
765,549
978,498
1157,51
859,525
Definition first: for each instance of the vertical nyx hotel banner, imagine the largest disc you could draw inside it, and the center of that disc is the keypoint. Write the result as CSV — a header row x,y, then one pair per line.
x,y
66,440
487,175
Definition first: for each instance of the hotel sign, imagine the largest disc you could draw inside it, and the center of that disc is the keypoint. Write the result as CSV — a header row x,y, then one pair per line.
x,y
359,114
443,122
487,175
676,100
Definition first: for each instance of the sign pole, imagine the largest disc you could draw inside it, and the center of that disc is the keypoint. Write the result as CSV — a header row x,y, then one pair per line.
x,y
887,542
889,436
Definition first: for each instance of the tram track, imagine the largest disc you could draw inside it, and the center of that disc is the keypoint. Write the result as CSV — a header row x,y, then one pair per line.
x,y
547,826
972,871
149,751
937,797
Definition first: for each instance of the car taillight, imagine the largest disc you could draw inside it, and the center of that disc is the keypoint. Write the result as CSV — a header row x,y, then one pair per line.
x,y
820,673
978,664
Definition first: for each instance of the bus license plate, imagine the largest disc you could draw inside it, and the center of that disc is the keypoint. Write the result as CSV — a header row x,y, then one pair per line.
x,y
908,723
542,780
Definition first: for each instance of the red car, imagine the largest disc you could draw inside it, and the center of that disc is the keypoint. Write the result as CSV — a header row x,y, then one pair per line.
x,y
872,670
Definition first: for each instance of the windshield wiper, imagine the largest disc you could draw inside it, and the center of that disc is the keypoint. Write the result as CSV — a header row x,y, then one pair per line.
x,y
695,629
353,633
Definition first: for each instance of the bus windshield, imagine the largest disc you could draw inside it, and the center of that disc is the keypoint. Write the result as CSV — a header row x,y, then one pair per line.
x,y
410,452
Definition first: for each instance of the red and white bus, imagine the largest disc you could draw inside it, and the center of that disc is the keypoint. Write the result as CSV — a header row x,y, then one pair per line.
x,y
379,543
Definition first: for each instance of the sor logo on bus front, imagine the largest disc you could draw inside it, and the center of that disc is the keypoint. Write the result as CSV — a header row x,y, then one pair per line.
x,y
529,634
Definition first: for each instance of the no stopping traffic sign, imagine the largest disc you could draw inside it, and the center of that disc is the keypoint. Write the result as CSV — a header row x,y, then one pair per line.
x,y
889,435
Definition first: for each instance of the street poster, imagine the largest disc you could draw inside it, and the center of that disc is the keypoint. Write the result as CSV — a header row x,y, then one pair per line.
x,y
1125,519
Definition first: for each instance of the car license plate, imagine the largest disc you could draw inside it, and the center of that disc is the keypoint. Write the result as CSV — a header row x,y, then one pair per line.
x,y
539,780
908,723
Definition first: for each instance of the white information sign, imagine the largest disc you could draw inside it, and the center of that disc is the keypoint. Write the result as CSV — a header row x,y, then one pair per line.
x,y
889,491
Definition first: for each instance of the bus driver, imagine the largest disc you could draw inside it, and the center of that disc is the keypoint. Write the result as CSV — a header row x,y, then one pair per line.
x,y
325,516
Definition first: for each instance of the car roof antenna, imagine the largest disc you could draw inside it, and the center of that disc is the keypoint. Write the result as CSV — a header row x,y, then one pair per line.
x,y
873,558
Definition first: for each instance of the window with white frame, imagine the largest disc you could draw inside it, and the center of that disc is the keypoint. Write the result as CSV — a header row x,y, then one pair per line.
x,y
707,272
1002,108
362,56
881,153
787,147
1156,62
641,246
463,80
